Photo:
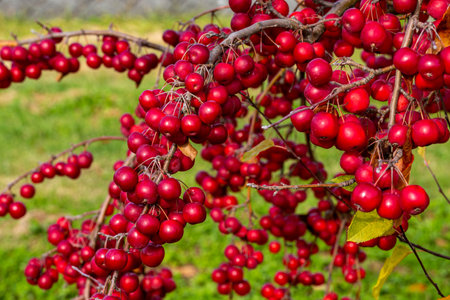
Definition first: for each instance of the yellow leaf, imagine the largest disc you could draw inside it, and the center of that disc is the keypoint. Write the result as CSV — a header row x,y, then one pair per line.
x,y
188,150
264,145
443,29
367,226
398,254
421,151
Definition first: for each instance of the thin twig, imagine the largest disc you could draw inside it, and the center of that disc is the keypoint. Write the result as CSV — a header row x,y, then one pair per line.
x,y
109,32
87,276
56,156
300,186
206,12
436,180
421,264
82,216
400,238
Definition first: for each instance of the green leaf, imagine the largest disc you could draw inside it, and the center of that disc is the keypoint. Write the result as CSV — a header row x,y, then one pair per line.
x,y
264,145
343,178
398,254
367,226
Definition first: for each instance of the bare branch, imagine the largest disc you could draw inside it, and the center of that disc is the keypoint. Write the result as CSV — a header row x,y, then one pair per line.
x,y
420,262
402,239
300,186
137,40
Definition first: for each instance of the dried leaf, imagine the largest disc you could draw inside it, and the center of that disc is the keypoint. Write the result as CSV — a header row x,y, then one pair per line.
x,y
398,254
188,150
8,43
367,226
443,29
264,145
405,163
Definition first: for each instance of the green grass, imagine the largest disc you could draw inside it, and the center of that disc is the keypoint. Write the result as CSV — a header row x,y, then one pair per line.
x,y
38,118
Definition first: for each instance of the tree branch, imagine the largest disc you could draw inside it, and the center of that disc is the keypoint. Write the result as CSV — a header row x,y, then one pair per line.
x,y
398,75
400,238
139,41
300,186
420,261
338,8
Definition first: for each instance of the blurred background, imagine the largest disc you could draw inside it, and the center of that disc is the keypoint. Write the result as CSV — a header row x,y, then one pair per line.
x,y
38,118
89,8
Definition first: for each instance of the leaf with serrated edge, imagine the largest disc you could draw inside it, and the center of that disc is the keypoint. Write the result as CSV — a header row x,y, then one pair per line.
x,y
398,254
367,226
264,145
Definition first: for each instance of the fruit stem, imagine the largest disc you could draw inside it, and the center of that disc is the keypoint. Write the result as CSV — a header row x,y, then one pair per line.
x,y
398,75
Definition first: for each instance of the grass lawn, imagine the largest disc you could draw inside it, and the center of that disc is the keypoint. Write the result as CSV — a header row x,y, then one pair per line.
x,y
38,118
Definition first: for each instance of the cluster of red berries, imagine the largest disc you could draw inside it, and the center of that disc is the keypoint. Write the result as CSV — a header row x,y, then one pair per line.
x,y
230,276
71,168
204,100
43,55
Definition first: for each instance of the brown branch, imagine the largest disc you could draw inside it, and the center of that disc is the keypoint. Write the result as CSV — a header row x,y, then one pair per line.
x,y
56,156
82,216
420,261
300,186
169,156
338,8
315,29
335,251
87,276
99,221
398,75
248,31
206,12
112,284
139,41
